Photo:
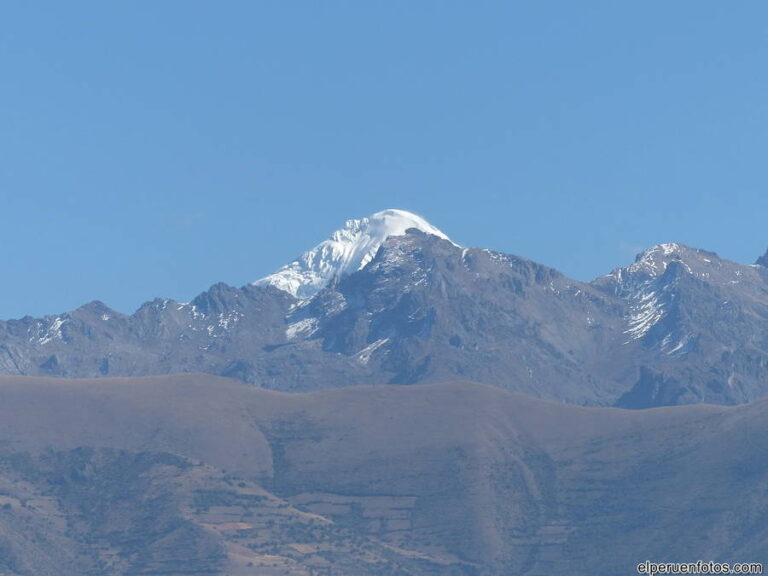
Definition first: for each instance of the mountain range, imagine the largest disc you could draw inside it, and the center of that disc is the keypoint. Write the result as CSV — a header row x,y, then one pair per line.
x,y
394,404
390,299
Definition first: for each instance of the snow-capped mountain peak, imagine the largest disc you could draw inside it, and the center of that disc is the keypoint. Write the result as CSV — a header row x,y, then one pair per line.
x,y
346,251
654,260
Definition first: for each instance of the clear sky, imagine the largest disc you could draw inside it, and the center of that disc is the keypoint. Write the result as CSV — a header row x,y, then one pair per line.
x,y
154,148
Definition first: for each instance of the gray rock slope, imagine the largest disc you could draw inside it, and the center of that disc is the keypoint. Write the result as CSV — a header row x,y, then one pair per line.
x,y
678,326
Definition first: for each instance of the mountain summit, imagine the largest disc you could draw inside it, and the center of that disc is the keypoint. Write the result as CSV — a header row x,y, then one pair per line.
x,y
763,260
346,251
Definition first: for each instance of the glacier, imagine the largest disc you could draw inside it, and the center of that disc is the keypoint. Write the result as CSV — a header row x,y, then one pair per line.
x,y
346,251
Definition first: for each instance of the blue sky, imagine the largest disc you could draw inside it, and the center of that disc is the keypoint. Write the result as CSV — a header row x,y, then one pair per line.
x,y
152,149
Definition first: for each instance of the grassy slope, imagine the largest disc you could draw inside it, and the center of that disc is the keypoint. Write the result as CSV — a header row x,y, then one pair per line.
x,y
451,478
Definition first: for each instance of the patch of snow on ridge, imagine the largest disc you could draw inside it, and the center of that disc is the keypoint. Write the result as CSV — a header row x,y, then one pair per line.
x,y
645,313
347,250
651,292
303,328
53,332
365,354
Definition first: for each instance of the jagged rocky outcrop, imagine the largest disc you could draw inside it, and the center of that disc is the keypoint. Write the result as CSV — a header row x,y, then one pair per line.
x,y
763,260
